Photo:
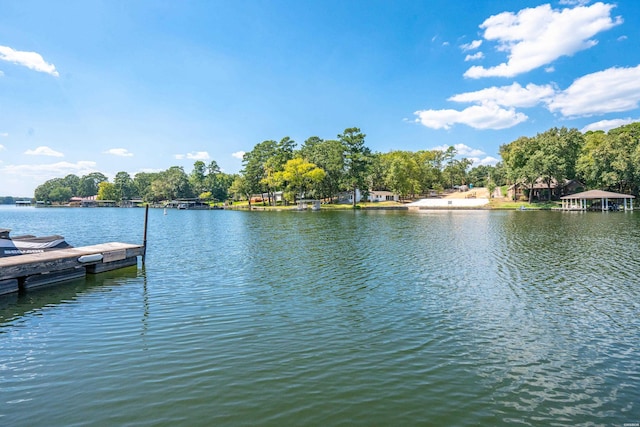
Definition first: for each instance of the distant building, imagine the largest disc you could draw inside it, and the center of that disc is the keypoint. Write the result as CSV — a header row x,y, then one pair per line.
x,y
373,196
541,189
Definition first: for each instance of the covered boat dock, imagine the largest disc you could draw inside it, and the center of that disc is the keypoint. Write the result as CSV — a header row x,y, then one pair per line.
x,y
597,200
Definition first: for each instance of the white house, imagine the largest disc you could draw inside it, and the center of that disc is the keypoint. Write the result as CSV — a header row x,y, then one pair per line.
x,y
383,196
374,196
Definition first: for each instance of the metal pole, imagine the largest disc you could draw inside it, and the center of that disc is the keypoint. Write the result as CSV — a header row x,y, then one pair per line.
x,y
144,243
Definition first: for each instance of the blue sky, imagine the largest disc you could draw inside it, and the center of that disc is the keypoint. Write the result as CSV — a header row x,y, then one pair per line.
x,y
121,85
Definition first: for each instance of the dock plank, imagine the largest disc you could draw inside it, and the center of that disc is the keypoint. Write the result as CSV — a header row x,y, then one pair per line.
x,y
30,264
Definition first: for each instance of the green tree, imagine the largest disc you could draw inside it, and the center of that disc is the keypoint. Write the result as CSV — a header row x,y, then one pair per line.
x,y
375,178
255,169
60,194
402,172
329,156
299,176
241,188
521,162
429,173
197,178
89,184
357,160
73,183
274,163
222,183
124,186
142,183
107,191
43,191
557,155
177,182
456,171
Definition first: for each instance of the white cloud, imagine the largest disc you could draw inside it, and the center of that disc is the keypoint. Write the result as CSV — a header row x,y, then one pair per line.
x,y
607,125
537,36
495,107
121,152
508,96
474,57
473,154
471,46
2,147
238,155
44,151
4,134
197,155
1,73
574,2
486,116
607,91
487,161
465,150
441,148
31,60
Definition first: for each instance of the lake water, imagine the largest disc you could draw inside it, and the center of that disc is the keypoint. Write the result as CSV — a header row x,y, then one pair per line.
x,y
331,318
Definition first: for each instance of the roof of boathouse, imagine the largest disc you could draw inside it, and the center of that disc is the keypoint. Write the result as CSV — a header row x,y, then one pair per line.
x,y
598,194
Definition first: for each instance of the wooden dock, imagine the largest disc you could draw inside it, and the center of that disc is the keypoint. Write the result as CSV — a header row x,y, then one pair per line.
x,y
29,271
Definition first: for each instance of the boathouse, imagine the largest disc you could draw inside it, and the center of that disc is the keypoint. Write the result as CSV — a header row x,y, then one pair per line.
x,y
597,200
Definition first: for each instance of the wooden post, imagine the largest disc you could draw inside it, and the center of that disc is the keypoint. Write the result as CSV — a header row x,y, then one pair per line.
x,y
144,242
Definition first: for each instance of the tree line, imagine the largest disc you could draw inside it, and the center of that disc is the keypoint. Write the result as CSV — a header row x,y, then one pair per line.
x,y
608,161
323,168
206,181
319,169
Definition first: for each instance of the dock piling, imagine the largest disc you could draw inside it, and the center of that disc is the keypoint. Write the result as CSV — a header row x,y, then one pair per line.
x,y
144,242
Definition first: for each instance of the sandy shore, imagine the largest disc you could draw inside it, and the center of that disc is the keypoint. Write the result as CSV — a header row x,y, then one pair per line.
x,y
481,192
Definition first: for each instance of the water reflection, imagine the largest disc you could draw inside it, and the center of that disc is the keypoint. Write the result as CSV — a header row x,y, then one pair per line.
x,y
14,306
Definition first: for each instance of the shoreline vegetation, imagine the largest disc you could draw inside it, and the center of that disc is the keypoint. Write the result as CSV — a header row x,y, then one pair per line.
x,y
538,171
494,203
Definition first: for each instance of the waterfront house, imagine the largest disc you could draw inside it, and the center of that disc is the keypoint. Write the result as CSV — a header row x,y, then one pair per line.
x,y
541,189
277,196
383,196
93,202
373,196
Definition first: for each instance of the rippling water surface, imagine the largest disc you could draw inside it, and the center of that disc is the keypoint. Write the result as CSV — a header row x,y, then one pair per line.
x,y
331,318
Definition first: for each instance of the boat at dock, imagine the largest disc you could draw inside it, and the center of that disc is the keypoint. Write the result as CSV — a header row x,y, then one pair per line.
x,y
29,244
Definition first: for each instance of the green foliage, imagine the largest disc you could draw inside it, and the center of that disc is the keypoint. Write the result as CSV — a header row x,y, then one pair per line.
x,y
357,160
482,175
89,184
150,186
402,172
609,161
241,188
124,186
107,191
205,196
299,176
329,156
60,194
142,184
